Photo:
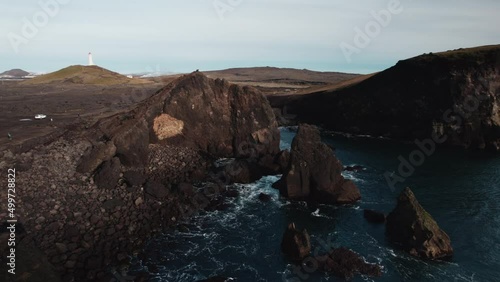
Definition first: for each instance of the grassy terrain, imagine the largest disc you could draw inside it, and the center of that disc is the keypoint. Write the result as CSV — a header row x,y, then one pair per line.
x,y
476,54
92,75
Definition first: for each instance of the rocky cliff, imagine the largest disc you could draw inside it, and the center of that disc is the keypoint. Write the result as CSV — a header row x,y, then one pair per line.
x,y
453,95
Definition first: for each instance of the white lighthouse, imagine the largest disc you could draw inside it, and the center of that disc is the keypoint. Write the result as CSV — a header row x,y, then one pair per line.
x,y
91,62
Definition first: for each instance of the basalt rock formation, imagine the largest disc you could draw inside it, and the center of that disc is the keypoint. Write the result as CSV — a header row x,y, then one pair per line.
x,y
209,116
345,263
314,173
296,244
414,229
97,193
452,97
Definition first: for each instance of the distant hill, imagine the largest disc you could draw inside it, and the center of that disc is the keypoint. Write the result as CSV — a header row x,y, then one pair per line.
x,y
18,73
280,75
415,99
92,75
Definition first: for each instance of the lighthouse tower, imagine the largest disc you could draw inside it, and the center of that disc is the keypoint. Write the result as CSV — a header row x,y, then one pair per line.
x,y
91,62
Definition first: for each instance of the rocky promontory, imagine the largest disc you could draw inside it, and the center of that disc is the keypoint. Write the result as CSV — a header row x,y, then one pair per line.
x,y
90,198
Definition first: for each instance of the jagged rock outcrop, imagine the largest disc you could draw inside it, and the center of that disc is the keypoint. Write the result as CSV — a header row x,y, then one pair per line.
x,y
210,116
296,244
345,263
222,119
414,229
108,174
452,97
314,173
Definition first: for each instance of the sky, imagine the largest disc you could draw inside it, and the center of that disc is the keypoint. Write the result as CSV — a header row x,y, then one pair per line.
x,y
131,36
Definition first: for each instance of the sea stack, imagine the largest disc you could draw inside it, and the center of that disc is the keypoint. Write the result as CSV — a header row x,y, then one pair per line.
x,y
414,229
314,173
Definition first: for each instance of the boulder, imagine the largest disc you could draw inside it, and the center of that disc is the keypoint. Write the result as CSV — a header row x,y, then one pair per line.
x,y
296,244
134,177
186,189
264,197
414,229
156,190
242,171
95,156
108,174
314,173
345,263
268,165
374,216
231,193
132,142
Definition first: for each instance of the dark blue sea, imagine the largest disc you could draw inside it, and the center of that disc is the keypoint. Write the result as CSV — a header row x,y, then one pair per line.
x,y
461,190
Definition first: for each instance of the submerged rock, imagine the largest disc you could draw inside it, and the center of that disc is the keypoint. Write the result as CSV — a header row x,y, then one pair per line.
x,y
264,197
374,216
414,229
216,279
296,244
354,168
314,173
345,263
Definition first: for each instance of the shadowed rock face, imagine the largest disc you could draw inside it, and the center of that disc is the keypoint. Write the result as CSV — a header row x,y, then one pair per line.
x,y
314,173
296,244
411,227
454,94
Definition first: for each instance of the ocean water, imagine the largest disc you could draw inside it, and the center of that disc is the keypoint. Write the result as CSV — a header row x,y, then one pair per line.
x,y
461,190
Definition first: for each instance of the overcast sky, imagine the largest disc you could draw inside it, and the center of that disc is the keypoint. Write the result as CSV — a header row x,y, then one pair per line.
x,y
184,35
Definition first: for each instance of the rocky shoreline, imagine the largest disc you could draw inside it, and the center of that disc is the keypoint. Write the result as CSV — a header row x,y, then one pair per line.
x,y
89,199
81,228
